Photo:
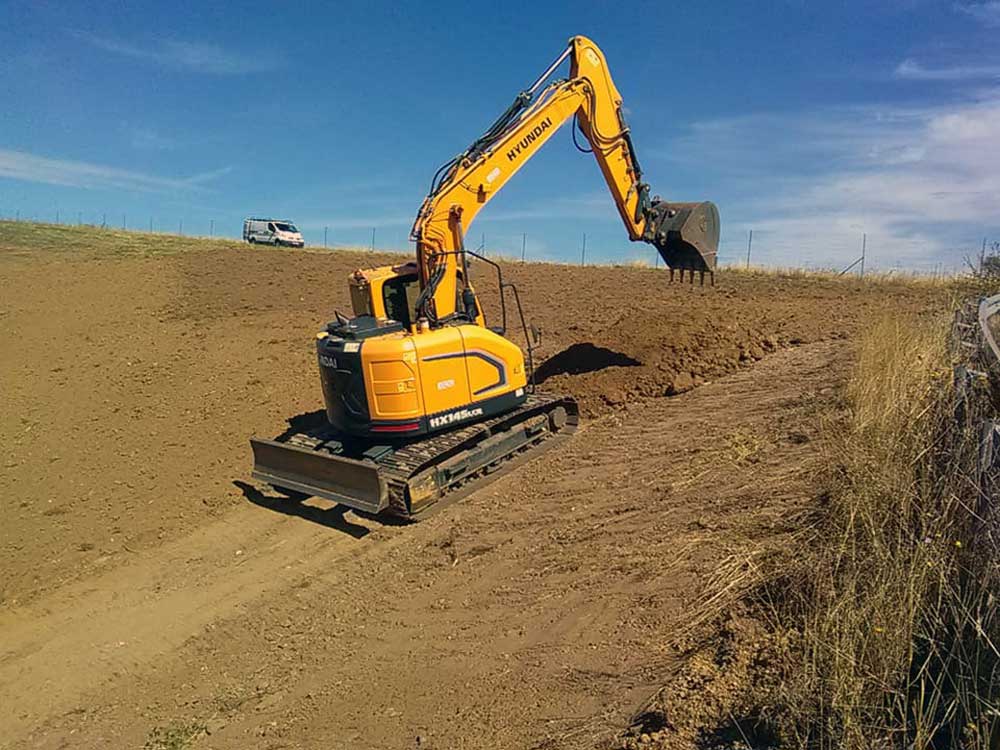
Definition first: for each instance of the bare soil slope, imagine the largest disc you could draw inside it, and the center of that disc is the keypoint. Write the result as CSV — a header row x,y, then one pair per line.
x,y
149,592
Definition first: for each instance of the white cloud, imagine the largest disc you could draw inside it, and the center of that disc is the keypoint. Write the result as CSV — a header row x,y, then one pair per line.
x,y
584,206
913,70
191,56
987,12
344,223
20,165
203,177
147,139
923,183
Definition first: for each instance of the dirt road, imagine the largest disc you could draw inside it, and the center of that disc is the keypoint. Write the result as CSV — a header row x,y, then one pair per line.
x,y
151,595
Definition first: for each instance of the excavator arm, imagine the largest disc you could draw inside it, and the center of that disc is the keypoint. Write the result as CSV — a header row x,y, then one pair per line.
x,y
686,234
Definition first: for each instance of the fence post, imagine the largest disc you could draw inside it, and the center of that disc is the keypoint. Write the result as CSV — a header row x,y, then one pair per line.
x,y
583,252
524,241
864,245
123,222
749,244
324,236
150,224
211,228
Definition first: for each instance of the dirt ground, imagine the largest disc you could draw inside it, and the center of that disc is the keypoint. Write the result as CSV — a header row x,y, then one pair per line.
x,y
152,596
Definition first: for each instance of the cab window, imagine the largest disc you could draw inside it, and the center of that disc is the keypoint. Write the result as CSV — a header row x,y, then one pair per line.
x,y
399,295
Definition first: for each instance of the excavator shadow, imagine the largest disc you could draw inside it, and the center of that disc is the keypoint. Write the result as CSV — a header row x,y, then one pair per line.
x,y
332,518
581,358
303,423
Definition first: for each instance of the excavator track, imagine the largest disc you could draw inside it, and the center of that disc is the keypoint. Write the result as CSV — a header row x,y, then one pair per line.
x,y
412,480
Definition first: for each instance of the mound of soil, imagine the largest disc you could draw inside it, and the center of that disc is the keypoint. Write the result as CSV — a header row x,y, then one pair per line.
x,y
613,336
704,704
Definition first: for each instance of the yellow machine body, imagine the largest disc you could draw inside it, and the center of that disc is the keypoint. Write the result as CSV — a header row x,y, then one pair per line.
x,y
442,377
385,375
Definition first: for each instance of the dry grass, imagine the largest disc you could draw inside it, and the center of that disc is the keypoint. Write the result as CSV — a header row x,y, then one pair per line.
x,y
507,260
634,263
884,602
176,735
24,236
744,446
893,276
883,546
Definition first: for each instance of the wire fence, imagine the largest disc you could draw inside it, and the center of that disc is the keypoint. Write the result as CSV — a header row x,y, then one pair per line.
x,y
105,220
747,249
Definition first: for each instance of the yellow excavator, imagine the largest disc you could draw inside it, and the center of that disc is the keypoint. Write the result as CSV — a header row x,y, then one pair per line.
x,y
423,398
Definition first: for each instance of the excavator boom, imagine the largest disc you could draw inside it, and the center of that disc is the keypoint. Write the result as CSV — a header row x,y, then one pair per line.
x,y
685,234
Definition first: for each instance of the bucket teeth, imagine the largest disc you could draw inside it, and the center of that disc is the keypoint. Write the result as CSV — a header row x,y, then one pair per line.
x,y
685,234
691,272
690,276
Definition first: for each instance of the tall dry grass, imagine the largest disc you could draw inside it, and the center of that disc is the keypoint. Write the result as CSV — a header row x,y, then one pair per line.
x,y
885,602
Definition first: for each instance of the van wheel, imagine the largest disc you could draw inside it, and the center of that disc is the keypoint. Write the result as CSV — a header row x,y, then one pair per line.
x,y
251,240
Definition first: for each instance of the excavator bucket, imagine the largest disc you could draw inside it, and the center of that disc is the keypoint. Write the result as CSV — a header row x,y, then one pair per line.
x,y
686,235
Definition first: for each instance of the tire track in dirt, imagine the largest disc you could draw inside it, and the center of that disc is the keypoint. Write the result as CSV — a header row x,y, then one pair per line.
x,y
536,613
90,633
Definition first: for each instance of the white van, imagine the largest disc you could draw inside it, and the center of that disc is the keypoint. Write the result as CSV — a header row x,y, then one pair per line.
x,y
272,232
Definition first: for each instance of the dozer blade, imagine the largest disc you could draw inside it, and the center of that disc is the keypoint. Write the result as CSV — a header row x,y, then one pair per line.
x,y
409,480
685,234
356,484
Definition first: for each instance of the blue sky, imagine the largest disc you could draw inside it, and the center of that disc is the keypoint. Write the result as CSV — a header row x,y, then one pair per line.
x,y
808,122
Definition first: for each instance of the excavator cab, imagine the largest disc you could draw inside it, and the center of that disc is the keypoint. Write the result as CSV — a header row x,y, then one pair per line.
x,y
385,292
392,292
399,295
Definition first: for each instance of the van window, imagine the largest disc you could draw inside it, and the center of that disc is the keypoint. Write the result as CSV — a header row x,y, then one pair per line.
x,y
270,227
286,227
